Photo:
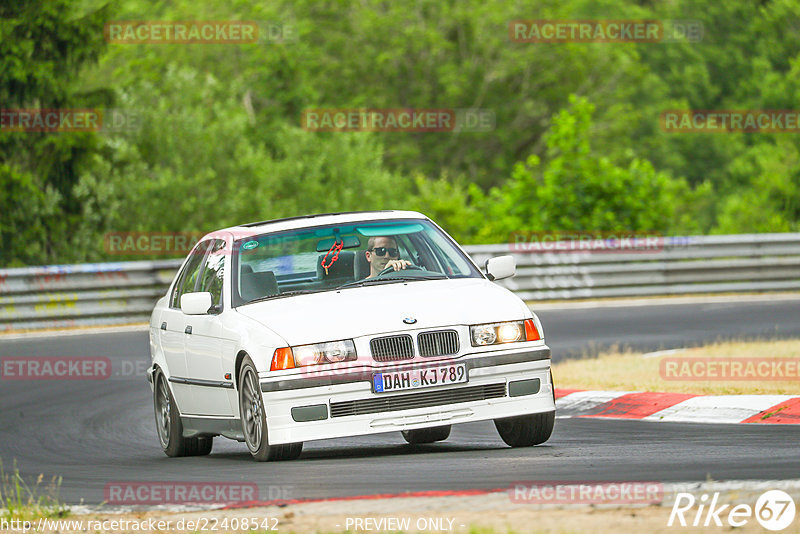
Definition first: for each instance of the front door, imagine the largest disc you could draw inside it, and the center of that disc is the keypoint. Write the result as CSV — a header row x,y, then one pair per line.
x,y
206,344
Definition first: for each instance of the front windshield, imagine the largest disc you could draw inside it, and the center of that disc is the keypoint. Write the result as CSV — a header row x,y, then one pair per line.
x,y
324,258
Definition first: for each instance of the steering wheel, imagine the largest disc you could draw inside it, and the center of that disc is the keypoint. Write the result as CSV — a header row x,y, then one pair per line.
x,y
411,267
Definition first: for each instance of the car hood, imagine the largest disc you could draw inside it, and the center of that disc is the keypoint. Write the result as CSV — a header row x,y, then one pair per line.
x,y
363,311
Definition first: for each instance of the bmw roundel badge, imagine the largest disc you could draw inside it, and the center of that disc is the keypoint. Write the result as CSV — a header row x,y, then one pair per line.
x,y
409,320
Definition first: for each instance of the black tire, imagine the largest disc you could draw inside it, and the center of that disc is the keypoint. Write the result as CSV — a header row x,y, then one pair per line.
x,y
288,451
427,435
170,428
254,420
204,444
526,430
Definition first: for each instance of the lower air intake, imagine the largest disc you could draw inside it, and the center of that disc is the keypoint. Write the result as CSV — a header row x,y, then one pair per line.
x,y
417,400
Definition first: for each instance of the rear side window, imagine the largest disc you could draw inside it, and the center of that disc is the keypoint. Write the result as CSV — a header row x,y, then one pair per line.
x,y
214,272
187,281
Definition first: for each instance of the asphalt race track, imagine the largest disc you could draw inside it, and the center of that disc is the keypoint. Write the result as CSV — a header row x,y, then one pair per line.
x,y
98,432
576,332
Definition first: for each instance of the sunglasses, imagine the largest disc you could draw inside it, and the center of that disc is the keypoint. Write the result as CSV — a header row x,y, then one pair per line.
x,y
381,251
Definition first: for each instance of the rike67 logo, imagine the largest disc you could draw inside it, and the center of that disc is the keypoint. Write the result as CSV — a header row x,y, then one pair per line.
x,y
774,510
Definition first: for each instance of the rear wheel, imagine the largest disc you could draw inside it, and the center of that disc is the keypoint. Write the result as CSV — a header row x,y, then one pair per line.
x,y
254,421
170,428
427,435
526,430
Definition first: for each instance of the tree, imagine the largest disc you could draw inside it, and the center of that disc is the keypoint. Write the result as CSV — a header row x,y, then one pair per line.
x,y
43,47
195,163
580,190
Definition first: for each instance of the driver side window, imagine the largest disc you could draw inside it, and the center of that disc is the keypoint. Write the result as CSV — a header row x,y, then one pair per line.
x,y
213,273
187,281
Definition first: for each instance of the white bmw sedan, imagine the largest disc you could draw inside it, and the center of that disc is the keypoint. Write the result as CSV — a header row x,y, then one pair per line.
x,y
291,330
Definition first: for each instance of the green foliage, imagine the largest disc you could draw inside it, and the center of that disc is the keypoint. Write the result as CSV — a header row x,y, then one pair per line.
x,y
43,47
580,190
454,206
769,200
577,143
218,172
24,219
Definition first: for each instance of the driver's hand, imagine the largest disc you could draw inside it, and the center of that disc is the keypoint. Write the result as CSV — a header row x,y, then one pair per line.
x,y
397,264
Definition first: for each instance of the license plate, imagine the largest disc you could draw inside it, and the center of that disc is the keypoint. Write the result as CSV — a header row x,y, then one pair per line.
x,y
419,378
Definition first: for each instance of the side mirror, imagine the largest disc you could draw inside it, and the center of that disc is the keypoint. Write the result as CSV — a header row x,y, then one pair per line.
x,y
196,303
500,267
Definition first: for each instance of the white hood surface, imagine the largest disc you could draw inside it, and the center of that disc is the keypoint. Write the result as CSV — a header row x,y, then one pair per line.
x,y
363,311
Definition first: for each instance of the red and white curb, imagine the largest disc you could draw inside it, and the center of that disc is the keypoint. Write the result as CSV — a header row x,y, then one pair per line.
x,y
678,407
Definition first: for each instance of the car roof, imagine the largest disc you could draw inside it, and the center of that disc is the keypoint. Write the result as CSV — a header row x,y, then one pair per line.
x,y
320,219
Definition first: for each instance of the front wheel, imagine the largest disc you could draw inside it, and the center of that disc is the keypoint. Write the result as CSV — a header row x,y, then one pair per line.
x,y
526,430
170,428
427,435
254,420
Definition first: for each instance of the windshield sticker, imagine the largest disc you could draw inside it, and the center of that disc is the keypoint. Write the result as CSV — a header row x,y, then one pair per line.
x,y
249,245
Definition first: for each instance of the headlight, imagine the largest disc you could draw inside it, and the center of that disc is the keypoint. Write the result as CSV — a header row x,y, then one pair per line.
x,y
330,352
484,334
497,333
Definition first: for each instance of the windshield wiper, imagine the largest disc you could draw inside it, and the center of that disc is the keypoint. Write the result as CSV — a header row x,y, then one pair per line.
x,y
378,281
285,294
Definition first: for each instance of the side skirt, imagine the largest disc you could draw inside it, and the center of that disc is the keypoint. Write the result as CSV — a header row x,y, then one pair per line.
x,y
229,427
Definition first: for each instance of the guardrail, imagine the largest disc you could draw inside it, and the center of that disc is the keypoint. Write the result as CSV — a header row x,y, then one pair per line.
x,y
57,296
680,265
125,292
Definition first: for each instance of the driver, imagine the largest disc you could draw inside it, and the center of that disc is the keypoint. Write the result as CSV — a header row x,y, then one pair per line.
x,y
382,252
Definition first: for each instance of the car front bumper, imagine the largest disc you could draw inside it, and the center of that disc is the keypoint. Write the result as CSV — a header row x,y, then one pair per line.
x,y
501,384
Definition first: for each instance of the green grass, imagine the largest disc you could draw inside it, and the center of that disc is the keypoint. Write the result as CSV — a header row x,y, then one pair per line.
x,y
23,500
